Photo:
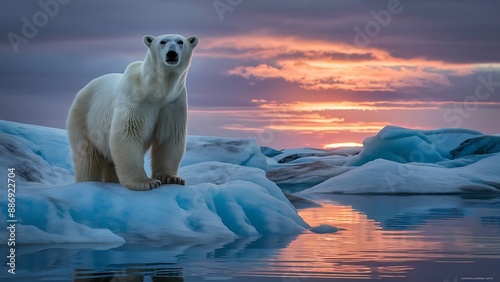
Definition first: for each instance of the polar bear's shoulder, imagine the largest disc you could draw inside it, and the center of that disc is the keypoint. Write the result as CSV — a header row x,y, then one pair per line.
x,y
134,68
133,73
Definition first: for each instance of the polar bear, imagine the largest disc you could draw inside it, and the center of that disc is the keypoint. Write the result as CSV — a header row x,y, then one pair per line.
x,y
116,118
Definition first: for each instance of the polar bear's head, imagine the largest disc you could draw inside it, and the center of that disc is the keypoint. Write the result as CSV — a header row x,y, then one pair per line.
x,y
172,50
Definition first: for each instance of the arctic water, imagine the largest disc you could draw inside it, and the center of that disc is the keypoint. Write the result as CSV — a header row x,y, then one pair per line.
x,y
383,238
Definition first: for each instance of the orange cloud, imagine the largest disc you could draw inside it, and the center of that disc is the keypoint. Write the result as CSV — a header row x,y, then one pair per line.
x,y
320,65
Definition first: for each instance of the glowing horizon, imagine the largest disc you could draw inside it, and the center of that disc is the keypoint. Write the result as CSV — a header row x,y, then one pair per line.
x,y
342,145
351,121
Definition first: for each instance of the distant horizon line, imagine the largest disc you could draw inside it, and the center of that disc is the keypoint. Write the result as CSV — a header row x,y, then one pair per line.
x,y
326,146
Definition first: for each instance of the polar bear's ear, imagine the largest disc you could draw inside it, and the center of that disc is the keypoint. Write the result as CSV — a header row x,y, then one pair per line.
x,y
193,40
148,39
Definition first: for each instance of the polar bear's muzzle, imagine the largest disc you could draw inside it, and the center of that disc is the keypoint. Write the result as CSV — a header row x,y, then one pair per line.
x,y
172,56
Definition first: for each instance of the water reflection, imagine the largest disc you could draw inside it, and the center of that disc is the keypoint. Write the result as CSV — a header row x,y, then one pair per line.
x,y
403,213
131,273
392,236
419,238
493,221
150,262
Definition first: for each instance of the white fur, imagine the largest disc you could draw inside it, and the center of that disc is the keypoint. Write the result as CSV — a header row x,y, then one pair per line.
x,y
116,118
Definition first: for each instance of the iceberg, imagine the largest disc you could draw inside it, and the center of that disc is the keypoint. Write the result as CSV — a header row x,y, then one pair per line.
x,y
106,212
296,177
245,152
226,197
404,145
395,161
407,161
40,154
269,152
388,177
297,169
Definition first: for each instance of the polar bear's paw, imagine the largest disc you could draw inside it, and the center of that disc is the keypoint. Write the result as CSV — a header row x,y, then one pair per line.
x,y
168,179
143,185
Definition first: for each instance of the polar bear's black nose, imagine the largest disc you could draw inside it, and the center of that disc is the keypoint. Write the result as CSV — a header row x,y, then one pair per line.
x,y
172,56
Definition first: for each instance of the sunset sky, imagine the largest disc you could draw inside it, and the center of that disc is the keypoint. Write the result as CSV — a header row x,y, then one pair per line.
x,y
287,73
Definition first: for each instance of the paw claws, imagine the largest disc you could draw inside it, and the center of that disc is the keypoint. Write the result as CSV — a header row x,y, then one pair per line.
x,y
154,184
145,185
171,179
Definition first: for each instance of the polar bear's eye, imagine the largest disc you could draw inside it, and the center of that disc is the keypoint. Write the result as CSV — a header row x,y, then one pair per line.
x,y
180,42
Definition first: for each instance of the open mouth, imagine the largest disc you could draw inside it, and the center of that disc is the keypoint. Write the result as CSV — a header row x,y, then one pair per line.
x,y
172,58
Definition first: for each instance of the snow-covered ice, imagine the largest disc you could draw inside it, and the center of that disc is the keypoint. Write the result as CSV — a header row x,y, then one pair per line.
x,y
395,161
297,169
106,212
383,176
399,160
245,152
306,174
40,154
404,145
227,197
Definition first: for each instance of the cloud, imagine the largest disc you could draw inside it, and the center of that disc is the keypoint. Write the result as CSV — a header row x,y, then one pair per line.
x,y
329,65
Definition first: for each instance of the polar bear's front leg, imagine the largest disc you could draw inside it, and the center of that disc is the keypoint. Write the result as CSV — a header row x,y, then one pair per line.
x,y
127,151
169,143
166,158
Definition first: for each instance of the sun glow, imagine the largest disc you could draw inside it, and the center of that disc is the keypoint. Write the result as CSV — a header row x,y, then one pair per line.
x,y
342,145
